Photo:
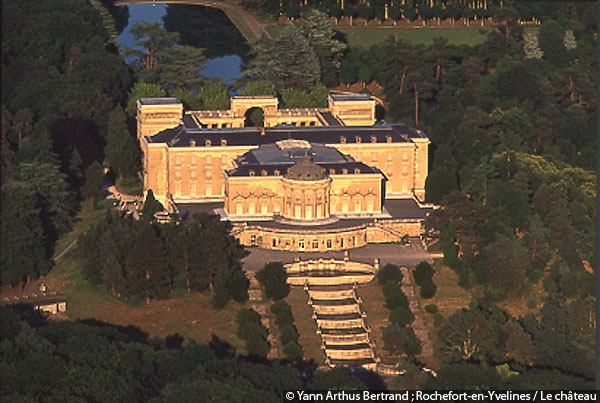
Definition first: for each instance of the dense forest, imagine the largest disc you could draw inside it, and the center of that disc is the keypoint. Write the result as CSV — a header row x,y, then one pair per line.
x,y
512,123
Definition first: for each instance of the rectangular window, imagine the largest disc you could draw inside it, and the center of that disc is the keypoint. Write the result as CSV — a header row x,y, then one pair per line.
x,y
193,160
390,156
208,159
177,174
208,174
239,208
193,190
274,242
315,244
405,155
208,189
193,174
404,169
374,157
224,159
263,209
329,244
177,160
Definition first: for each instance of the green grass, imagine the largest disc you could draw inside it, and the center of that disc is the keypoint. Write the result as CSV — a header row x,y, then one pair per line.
x,y
377,317
371,35
241,25
307,330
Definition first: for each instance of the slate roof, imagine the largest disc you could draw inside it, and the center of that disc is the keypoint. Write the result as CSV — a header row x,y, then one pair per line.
x,y
252,136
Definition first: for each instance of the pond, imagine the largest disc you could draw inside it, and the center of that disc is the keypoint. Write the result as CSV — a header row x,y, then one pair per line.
x,y
201,27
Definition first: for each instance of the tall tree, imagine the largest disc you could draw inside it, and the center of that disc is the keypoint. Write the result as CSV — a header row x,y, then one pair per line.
x,y
121,151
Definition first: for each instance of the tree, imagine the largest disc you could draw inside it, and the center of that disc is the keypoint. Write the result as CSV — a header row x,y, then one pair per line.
x,y
402,316
121,151
440,182
550,38
92,189
151,206
23,254
423,273
273,278
389,272
238,286
142,89
468,335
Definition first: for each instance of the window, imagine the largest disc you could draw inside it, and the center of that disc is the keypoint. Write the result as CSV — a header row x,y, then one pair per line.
x,y
301,244
373,139
207,143
193,174
177,160
177,174
404,169
208,159
274,242
374,157
342,140
208,190
223,143
193,190
390,169
328,244
390,156
405,155
253,239
315,244
208,174
193,160
239,208
358,139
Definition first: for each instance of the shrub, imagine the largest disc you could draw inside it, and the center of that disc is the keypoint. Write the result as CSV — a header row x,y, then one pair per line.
x,y
423,273
282,312
273,278
238,286
394,296
257,346
402,316
288,333
428,290
389,272
431,308
292,351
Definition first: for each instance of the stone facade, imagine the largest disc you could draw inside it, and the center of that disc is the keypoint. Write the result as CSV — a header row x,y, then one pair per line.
x,y
209,156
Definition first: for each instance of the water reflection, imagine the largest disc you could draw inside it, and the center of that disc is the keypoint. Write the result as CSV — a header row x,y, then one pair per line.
x,y
202,27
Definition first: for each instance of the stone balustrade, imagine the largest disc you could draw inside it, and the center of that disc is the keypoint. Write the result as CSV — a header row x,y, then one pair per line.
x,y
336,309
332,295
366,352
340,324
345,339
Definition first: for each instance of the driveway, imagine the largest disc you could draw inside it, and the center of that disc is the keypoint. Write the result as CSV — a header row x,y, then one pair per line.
x,y
400,255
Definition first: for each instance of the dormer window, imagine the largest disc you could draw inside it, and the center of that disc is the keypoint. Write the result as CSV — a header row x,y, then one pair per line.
x,y
277,172
263,172
332,171
373,139
342,140
345,171
251,173
207,143
192,143
388,139
356,170
223,143
358,139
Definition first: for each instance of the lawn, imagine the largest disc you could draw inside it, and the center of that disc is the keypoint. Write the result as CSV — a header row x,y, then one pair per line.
x,y
189,315
377,317
307,330
366,36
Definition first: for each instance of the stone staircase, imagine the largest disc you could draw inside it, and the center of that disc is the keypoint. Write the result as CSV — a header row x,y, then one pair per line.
x,y
345,336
